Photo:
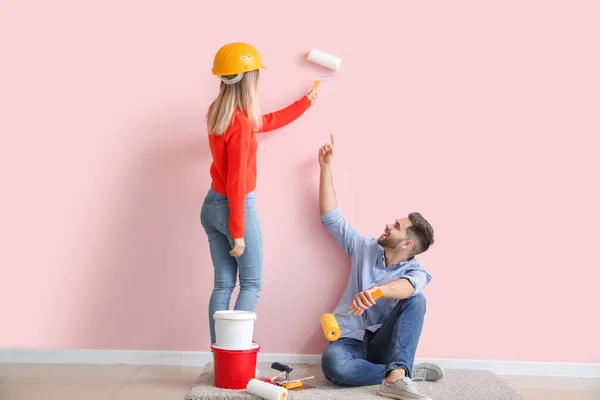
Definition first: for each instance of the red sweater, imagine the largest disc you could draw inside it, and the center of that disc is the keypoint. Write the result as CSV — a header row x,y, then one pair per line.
x,y
233,170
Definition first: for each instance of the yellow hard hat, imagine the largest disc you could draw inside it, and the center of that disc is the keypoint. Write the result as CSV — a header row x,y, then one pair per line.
x,y
236,58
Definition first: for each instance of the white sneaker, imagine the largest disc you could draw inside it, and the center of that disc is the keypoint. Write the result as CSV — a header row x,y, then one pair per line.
x,y
427,372
402,389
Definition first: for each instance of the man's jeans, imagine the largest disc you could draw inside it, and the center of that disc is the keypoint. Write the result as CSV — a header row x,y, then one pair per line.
x,y
215,220
353,362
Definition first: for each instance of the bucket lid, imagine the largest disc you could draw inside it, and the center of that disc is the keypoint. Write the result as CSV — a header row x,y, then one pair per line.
x,y
254,346
234,315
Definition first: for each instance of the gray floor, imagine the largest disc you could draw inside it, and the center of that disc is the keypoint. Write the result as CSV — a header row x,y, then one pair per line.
x,y
110,382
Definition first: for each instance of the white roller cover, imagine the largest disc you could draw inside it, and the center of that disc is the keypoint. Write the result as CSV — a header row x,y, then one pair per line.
x,y
324,59
266,390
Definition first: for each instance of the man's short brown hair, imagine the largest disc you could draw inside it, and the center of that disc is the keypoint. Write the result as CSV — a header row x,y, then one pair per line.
x,y
420,233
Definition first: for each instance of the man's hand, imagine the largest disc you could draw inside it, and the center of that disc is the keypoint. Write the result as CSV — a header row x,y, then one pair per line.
x,y
327,152
363,300
327,198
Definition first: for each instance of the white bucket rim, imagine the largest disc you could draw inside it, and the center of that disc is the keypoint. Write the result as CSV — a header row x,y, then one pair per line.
x,y
236,315
254,346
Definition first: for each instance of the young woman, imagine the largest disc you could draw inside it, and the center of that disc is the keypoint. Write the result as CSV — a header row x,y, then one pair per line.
x,y
229,214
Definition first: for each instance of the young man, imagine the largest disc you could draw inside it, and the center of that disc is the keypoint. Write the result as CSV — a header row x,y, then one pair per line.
x,y
379,341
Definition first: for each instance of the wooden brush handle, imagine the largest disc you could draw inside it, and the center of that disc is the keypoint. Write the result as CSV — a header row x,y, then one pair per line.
x,y
278,375
298,380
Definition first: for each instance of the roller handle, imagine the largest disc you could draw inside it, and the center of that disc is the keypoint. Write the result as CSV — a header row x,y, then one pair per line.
x,y
316,84
315,89
277,376
375,295
292,385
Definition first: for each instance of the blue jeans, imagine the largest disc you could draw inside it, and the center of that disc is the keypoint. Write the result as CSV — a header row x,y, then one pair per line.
x,y
352,362
215,220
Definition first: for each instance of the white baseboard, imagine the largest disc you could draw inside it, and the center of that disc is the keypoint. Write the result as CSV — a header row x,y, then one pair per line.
x,y
533,368
190,358
135,357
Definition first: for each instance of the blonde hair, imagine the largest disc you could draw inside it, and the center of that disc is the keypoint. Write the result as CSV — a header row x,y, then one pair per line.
x,y
242,96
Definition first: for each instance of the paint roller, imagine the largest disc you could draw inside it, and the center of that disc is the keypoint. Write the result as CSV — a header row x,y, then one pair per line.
x,y
325,60
265,390
331,329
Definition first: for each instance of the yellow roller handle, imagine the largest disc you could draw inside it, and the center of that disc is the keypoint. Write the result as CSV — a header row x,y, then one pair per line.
x,y
331,329
376,295
316,85
292,385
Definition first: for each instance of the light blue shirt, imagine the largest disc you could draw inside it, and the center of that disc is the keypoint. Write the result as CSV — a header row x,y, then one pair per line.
x,y
368,269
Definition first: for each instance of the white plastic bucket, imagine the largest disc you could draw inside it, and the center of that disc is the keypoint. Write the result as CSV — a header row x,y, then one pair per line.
x,y
234,329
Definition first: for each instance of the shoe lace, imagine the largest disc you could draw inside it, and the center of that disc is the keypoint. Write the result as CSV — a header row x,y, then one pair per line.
x,y
410,384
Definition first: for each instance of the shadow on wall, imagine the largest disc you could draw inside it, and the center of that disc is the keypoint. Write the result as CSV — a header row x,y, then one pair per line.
x,y
149,265
334,271
150,273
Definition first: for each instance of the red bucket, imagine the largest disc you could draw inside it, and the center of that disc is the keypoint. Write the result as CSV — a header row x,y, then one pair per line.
x,y
234,368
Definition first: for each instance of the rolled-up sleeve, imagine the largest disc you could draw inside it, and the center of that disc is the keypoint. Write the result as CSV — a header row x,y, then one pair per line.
x,y
337,226
418,278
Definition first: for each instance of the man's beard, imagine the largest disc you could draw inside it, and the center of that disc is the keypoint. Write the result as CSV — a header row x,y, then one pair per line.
x,y
388,243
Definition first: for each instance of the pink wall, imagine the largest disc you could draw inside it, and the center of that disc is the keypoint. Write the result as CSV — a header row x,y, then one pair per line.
x,y
484,118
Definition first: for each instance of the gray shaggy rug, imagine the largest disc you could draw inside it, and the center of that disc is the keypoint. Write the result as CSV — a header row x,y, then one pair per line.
x,y
456,385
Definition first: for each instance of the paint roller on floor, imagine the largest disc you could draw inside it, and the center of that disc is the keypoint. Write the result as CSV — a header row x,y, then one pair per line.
x,y
331,329
325,60
265,390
